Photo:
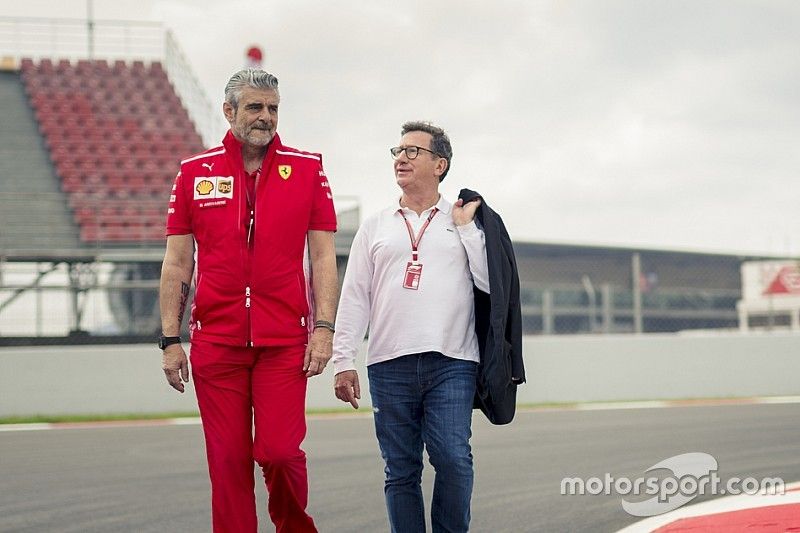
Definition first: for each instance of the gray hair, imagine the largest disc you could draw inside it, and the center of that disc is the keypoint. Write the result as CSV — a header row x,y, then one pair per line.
x,y
249,77
440,142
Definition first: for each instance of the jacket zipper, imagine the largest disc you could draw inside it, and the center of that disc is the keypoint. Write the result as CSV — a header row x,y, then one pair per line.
x,y
250,254
250,244
247,306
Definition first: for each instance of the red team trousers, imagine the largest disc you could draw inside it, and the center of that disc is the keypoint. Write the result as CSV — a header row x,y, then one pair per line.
x,y
234,385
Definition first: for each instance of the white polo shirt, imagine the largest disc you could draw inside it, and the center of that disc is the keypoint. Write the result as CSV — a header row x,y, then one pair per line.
x,y
438,316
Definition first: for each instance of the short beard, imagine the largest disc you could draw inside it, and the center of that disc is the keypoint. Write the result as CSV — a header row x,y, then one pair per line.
x,y
250,139
259,141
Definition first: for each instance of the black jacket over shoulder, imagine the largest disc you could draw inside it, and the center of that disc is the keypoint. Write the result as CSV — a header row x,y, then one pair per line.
x,y
498,321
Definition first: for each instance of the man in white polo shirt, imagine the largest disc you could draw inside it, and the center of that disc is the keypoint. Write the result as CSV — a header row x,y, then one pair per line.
x,y
410,278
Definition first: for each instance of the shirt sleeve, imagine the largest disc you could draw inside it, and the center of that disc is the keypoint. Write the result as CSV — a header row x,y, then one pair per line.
x,y
323,213
352,317
178,216
474,241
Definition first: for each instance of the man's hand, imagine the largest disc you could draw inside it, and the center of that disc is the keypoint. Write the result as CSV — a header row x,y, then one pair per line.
x,y
176,366
318,352
347,388
463,214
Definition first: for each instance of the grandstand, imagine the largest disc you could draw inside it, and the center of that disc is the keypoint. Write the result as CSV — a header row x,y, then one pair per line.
x,y
114,157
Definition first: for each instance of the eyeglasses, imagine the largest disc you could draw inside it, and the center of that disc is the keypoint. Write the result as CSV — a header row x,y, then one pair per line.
x,y
411,151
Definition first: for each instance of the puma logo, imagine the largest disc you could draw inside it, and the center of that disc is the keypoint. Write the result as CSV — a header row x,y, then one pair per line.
x,y
209,166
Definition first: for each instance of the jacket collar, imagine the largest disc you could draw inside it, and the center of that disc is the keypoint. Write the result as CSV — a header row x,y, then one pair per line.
x,y
233,147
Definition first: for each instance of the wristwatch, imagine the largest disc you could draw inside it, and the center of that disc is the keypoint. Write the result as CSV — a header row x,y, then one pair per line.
x,y
163,341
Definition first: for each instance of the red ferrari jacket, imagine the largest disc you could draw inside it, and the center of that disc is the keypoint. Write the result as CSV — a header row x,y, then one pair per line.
x,y
250,239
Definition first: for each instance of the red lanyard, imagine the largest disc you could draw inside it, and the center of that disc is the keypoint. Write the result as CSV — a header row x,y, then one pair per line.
x,y
251,179
415,241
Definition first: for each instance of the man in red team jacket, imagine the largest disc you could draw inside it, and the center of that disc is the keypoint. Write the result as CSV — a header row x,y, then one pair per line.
x,y
259,213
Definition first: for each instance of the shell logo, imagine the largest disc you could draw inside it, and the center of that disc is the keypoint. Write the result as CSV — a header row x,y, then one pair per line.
x,y
205,187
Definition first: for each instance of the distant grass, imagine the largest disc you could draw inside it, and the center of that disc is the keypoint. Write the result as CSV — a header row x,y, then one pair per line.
x,y
54,419
551,405
339,411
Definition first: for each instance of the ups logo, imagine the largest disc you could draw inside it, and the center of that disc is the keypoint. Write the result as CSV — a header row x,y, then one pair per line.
x,y
225,186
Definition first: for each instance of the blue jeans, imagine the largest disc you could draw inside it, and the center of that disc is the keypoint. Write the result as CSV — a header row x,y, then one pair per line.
x,y
425,399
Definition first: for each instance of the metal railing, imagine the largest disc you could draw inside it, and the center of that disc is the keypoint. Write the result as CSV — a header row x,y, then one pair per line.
x,y
60,298
64,38
114,296
207,118
569,308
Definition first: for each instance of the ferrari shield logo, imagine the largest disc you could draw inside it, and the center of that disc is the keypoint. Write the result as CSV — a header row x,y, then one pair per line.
x,y
285,171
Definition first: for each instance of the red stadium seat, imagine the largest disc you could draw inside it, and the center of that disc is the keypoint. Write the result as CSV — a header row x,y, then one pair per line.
x,y
116,158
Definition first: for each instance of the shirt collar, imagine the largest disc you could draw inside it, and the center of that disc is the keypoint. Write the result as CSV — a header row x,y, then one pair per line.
x,y
442,205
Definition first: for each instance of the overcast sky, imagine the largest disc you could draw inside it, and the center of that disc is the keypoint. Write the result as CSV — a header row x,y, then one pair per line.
x,y
661,124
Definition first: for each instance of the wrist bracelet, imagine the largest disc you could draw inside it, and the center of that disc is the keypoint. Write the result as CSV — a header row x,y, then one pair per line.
x,y
325,324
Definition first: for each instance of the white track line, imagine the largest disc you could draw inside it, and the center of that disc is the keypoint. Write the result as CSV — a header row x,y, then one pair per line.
x,y
589,406
24,427
606,406
661,404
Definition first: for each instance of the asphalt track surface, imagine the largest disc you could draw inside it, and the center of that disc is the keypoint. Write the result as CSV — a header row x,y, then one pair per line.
x,y
153,478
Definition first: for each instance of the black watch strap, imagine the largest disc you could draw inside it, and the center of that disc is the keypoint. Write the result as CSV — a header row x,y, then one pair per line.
x,y
165,341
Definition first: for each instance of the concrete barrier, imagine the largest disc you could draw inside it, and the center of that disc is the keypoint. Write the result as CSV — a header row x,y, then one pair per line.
x,y
657,367
560,369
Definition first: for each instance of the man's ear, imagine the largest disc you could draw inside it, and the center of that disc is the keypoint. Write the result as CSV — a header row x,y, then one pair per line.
x,y
441,166
229,111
